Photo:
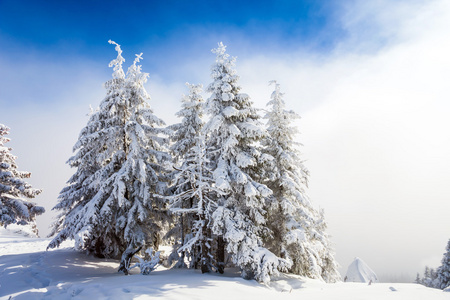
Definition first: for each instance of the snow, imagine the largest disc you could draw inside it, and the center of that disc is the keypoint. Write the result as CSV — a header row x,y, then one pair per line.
x,y
27,271
359,271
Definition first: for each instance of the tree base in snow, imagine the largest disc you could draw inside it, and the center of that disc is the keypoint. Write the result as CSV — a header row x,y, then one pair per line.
x,y
126,259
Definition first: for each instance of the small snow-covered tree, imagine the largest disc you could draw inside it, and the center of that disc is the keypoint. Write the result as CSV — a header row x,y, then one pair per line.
x,y
185,147
110,205
426,280
147,266
298,229
433,277
418,280
426,273
15,207
443,272
185,134
231,143
199,201
430,278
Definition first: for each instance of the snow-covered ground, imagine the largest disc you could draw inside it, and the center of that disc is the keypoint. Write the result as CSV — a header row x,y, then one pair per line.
x,y
28,271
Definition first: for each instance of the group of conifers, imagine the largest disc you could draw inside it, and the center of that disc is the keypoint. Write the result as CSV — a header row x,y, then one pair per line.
x,y
221,187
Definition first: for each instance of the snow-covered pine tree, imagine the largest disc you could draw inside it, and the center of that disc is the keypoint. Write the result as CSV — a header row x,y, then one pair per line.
x,y
443,272
185,134
298,229
433,278
231,137
430,278
198,201
418,280
426,280
15,207
426,273
185,146
109,205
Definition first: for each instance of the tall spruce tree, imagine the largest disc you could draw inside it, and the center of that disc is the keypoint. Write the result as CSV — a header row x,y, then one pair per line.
x,y
185,134
443,272
198,201
109,205
184,149
298,229
231,137
15,207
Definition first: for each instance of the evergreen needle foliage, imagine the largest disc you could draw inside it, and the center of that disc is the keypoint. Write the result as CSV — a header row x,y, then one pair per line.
x,y
15,207
111,204
298,229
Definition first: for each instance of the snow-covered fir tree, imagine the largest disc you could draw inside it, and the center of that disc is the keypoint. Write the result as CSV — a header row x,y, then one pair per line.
x,y
426,273
109,205
184,149
197,201
231,137
430,278
426,280
418,280
443,272
433,278
184,136
297,228
15,192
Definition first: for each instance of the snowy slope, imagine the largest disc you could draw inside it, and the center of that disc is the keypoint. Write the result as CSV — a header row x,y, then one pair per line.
x,y
359,271
27,271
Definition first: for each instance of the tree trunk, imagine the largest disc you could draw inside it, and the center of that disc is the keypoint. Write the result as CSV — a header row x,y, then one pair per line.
x,y
183,253
220,254
99,248
126,259
205,258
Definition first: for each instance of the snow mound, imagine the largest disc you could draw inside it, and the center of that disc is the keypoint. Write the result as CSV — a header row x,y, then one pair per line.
x,y
359,271
14,230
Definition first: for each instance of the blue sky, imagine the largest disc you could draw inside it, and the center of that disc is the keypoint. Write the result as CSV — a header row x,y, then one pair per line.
x,y
171,34
88,24
369,78
168,32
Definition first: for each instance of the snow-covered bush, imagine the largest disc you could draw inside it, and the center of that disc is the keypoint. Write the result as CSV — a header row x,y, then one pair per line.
x,y
15,207
147,266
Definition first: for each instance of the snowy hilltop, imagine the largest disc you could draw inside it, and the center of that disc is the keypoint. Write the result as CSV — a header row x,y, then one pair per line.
x,y
30,272
359,271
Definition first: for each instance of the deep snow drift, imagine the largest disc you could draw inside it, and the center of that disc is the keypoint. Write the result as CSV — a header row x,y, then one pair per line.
x,y
27,271
359,271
